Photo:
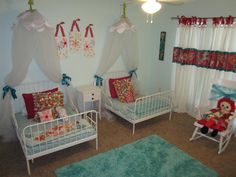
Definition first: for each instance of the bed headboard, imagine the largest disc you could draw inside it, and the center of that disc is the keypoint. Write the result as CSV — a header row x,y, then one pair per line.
x,y
18,104
108,75
114,74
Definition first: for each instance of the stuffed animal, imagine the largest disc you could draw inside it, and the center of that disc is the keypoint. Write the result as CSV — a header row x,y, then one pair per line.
x,y
218,118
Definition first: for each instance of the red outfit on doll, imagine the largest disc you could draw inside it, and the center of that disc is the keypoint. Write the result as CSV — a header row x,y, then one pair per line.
x,y
218,118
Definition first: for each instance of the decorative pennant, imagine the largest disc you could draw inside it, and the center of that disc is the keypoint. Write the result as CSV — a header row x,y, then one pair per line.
x,y
75,38
89,42
61,41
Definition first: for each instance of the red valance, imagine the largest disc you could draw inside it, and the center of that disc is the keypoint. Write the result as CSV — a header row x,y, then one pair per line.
x,y
219,60
203,20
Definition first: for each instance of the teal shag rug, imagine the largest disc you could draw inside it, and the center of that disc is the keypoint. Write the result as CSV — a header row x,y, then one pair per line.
x,y
148,157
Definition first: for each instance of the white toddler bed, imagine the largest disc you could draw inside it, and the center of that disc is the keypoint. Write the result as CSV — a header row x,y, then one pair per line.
x,y
38,139
144,107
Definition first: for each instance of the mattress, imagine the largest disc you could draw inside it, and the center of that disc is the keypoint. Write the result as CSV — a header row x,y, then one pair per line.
x,y
43,136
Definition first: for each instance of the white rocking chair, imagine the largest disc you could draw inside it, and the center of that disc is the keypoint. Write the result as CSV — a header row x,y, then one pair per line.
x,y
223,137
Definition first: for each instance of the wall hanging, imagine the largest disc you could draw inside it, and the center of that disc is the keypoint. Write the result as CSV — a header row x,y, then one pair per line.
x,y
162,45
89,42
61,41
75,39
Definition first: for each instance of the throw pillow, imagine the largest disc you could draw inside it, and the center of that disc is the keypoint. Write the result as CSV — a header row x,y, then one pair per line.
x,y
29,102
50,100
112,88
124,90
45,115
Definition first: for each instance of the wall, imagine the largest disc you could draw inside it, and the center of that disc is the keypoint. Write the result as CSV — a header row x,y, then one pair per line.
x,y
102,14
153,73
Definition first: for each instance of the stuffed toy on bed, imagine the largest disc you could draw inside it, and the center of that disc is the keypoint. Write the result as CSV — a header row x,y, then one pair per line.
x,y
218,118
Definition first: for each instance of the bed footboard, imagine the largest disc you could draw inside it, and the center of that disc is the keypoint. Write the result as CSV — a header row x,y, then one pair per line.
x,y
44,138
152,105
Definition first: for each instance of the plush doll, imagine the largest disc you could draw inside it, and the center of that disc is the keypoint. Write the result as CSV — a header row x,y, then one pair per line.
x,y
218,118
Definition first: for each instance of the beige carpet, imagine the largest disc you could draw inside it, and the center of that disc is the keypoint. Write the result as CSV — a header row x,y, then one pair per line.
x,y
119,132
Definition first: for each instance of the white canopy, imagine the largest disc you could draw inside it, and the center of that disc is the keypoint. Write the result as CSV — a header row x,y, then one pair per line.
x,y
121,41
32,38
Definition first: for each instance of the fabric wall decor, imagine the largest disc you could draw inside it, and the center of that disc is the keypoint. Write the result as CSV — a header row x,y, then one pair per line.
x,y
89,42
75,38
61,41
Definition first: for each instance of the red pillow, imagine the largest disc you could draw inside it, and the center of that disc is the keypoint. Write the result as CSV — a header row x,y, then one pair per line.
x,y
112,88
29,102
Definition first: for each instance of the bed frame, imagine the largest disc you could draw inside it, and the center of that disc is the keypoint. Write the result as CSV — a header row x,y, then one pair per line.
x,y
56,142
146,101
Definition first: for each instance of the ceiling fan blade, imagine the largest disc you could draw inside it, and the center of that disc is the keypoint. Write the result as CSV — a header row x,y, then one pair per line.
x,y
176,2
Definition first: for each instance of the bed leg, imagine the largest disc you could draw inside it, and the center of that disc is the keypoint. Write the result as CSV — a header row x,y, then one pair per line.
x,y
28,166
32,160
97,143
170,115
133,128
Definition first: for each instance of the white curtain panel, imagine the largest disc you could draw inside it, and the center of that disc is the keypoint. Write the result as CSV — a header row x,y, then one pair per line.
x,y
32,38
121,41
192,84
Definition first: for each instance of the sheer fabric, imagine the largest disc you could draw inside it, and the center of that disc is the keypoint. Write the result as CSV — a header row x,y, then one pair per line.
x,y
121,41
32,38
192,84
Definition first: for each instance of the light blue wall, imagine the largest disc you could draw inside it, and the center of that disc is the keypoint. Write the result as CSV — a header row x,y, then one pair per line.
x,y
102,14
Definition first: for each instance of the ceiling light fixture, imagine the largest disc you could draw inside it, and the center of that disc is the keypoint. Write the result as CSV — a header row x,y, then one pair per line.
x,y
151,7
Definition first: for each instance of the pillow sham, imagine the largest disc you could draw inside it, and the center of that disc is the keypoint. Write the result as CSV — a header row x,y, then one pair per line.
x,y
111,85
124,90
50,100
45,115
29,102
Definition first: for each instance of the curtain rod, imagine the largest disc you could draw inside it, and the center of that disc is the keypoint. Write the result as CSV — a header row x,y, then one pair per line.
x,y
176,18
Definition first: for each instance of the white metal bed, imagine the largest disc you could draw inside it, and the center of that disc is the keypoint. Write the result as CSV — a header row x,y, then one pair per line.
x,y
144,107
39,139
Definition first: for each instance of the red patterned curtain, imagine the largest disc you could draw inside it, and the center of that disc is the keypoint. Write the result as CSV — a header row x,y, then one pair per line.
x,y
223,58
205,50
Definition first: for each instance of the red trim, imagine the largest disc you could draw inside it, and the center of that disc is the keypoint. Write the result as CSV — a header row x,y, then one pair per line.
x,y
75,24
89,28
205,58
60,27
203,21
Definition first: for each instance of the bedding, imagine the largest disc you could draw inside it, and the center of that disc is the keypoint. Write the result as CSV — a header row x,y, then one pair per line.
x,y
22,122
124,90
29,102
111,81
45,115
57,133
49,100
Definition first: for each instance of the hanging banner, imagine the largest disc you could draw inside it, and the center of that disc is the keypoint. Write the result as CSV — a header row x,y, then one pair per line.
x,y
75,38
61,41
89,42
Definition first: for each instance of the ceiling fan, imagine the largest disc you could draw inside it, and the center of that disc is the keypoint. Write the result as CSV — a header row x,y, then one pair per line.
x,y
174,2
152,6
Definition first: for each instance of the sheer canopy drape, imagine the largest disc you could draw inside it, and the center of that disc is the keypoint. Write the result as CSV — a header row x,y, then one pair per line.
x,y
32,38
199,55
121,41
